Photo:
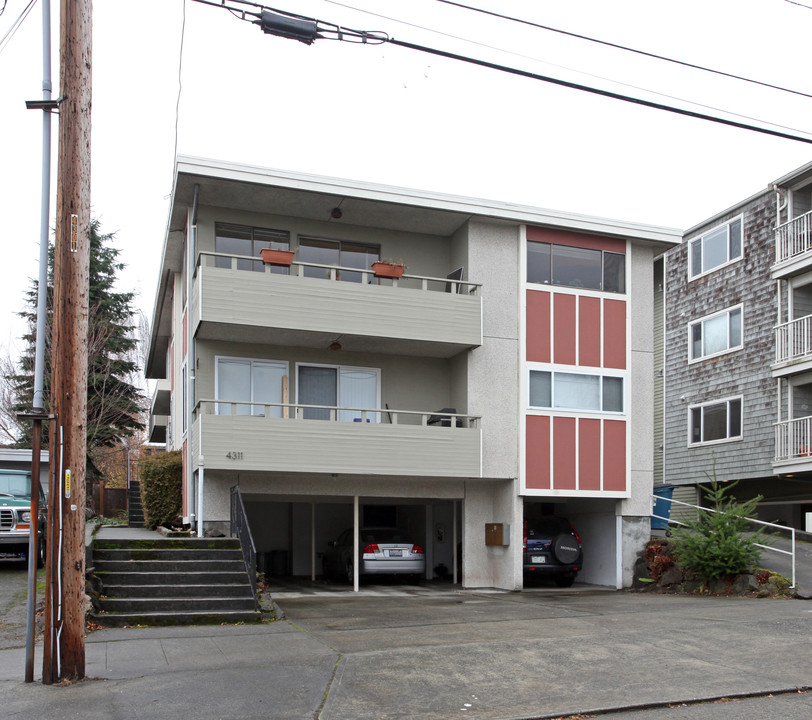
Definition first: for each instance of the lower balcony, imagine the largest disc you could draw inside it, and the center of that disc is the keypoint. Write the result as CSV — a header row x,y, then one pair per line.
x,y
793,347
295,438
793,446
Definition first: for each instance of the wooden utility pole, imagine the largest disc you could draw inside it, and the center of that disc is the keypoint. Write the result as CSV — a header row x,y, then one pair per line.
x,y
70,323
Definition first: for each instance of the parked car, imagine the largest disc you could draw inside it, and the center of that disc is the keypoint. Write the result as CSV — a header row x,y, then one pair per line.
x,y
551,547
383,551
15,515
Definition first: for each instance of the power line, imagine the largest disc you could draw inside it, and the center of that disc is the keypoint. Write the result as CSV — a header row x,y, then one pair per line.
x,y
630,49
6,39
310,29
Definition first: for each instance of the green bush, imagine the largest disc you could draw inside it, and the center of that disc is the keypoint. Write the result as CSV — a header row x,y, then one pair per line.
x,y
721,543
161,477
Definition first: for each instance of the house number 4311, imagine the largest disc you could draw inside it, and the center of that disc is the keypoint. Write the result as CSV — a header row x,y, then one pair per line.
x,y
234,455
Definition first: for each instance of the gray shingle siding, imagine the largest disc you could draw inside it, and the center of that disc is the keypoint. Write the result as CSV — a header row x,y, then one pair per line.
x,y
744,372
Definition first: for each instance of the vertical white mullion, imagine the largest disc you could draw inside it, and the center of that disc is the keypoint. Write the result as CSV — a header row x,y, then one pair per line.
x,y
603,425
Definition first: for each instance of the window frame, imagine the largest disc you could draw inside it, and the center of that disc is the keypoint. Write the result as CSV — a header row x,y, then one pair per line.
x,y
713,403
603,267
276,239
568,371
372,417
701,239
700,322
250,361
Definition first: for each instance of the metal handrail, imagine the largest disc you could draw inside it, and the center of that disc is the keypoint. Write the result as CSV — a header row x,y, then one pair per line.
x,y
427,282
293,411
242,530
757,522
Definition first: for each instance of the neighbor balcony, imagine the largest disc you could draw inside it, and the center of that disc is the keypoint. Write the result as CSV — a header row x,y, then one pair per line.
x,y
793,347
296,438
793,247
413,315
793,445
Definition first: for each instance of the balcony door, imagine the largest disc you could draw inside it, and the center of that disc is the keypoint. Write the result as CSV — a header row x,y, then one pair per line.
x,y
337,252
338,386
255,381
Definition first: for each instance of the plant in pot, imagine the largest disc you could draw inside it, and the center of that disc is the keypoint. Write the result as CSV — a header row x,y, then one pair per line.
x,y
276,256
388,268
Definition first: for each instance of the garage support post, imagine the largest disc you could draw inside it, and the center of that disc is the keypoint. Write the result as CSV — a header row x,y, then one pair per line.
x,y
356,529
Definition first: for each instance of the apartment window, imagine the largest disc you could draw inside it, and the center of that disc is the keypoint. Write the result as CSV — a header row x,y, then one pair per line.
x,y
715,422
716,248
246,380
575,391
338,386
337,252
716,334
549,264
248,241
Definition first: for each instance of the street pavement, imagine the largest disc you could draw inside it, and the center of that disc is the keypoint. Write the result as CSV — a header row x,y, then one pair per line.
x,y
435,652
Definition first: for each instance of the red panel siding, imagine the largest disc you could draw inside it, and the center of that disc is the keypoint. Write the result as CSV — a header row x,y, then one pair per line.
x,y
589,454
538,326
564,328
574,239
614,455
537,461
563,453
589,331
614,334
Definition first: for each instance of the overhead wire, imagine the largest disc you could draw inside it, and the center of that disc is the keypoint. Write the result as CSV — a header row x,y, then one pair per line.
x,y
6,39
617,46
563,67
546,78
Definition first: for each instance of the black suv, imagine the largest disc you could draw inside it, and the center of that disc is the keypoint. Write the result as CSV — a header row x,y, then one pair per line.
x,y
551,548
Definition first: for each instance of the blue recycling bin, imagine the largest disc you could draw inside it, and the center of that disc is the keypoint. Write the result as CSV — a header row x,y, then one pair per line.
x,y
662,506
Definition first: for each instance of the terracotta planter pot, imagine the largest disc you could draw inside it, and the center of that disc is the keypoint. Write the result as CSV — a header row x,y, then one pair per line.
x,y
388,270
276,257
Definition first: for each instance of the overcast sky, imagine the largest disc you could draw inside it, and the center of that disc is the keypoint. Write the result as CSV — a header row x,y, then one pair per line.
x,y
390,115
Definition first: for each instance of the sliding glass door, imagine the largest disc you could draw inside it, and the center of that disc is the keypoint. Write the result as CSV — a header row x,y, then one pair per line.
x,y
335,385
259,381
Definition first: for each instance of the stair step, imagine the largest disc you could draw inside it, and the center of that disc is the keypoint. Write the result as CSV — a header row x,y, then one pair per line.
x,y
172,578
159,554
159,566
221,590
198,604
166,543
179,618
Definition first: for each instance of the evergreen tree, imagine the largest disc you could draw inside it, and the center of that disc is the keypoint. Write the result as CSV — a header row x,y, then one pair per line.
x,y
114,403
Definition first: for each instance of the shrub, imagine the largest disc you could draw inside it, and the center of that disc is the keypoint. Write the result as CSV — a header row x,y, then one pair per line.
x,y
718,544
161,477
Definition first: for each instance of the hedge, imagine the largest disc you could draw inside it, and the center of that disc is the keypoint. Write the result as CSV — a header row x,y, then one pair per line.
x,y
161,477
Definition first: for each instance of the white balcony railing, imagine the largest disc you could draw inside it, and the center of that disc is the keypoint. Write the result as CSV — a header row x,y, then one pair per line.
x,y
793,340
793,440
347,274
334,413
793,238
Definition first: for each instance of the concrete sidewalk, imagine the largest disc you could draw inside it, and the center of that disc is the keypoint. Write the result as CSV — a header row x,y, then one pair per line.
x,y
437,655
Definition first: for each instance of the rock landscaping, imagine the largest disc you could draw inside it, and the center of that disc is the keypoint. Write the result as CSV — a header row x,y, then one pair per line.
x,y
657,569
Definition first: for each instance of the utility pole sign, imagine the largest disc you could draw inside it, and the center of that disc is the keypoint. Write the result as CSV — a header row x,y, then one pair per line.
x,y
69,341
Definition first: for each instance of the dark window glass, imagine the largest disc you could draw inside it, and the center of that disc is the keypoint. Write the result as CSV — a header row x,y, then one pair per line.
x,y
538,263
696,341
540,389
614,272
248,241
735,239
336,252
613,394
696,425
714,422
696,257
735,420
576,267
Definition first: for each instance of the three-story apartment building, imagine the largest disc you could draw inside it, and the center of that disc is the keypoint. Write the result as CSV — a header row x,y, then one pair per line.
x,y
507,373
736,358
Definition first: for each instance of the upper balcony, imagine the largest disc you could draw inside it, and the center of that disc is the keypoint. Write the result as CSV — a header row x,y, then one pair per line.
x,y
296,438
793,247
159,411
413,315
793,347
793,446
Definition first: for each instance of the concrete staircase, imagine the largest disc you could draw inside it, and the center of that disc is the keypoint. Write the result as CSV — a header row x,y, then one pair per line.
x,y
135,511
171,581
